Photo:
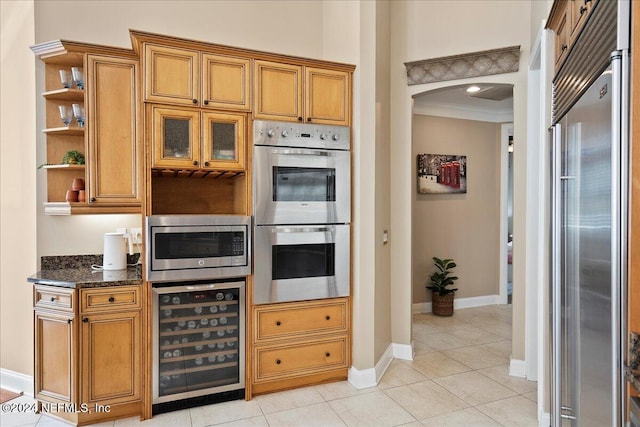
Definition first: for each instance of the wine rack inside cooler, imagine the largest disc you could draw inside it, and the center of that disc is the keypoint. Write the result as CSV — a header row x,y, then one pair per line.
x,y
199,344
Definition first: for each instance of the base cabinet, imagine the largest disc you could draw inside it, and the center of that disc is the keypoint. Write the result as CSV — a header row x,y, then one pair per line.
x,y
88,353
301,343
55,375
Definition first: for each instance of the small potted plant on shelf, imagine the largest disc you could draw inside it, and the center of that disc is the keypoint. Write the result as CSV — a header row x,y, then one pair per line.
x,y
442,295
73,157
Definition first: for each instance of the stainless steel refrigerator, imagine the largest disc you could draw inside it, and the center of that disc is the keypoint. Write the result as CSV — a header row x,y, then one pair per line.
x,y
589,229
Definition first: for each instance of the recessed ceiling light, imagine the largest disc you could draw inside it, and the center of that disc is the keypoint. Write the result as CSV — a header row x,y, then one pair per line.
x,y
473,89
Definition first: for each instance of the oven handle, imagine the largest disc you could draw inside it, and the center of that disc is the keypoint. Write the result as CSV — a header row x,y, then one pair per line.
x,y
302,229
302,152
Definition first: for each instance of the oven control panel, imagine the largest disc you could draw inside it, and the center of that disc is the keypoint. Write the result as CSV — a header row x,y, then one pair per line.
x,y
286,134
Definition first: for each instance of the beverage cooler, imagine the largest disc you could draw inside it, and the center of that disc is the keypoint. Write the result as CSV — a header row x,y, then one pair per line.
x,y
198,343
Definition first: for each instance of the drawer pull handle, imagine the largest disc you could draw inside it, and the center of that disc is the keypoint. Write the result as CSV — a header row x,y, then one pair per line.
x,y
111,299
85,320
583,9
278,361
327,354
53,299
328,317
278,323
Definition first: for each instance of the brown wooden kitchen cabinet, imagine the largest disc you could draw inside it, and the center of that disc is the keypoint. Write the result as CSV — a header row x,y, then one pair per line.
x,y
55,331
115,151
566,19
191,139
109,140
88,352
300,343
181,76
301,93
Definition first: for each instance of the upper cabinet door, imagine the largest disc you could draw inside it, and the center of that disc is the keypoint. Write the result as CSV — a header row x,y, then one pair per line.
x,y
327,96
278,91
225,83
175,135
172,75
223,141
115,143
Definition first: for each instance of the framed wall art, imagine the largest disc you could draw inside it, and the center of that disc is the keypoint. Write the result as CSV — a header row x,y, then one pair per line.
x,y
441,173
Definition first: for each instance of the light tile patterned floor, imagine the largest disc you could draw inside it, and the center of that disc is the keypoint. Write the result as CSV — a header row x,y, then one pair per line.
x,y
459,377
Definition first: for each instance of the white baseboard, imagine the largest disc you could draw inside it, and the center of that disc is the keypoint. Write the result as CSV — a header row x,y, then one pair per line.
x,y
544,420
16,382
403,351
518,368
425,307
371,377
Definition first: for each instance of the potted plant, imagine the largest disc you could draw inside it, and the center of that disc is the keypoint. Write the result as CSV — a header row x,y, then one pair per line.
x,y
73,157
442,295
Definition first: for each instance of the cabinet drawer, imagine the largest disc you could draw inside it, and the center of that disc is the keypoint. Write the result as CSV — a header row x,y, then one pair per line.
x,y
300,359
115,297
282,321
53,297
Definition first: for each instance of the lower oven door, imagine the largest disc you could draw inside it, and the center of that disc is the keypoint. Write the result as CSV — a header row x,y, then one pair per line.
x,y
295,263
198,339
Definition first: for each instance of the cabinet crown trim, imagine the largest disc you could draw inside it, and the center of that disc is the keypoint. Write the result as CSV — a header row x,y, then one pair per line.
x,y
138,38
49,51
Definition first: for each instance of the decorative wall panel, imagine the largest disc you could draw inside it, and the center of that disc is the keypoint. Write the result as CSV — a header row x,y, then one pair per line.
x,y
475,64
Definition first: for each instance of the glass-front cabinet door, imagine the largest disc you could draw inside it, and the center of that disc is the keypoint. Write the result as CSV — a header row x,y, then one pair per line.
x,y
223,140
176,137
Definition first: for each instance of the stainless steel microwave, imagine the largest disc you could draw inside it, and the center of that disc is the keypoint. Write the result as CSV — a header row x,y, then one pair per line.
x,y
192,247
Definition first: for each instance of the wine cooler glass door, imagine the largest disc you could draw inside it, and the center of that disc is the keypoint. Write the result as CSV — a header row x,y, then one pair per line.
x,y
198,346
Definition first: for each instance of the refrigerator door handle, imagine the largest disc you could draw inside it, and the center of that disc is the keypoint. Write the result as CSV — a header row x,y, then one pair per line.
x,y
556,332
619,222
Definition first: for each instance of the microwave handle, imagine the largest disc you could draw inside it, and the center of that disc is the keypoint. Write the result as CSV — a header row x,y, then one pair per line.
x,y
302,152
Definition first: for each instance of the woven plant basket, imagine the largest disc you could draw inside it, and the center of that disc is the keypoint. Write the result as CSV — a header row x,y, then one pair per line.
x,y
442,305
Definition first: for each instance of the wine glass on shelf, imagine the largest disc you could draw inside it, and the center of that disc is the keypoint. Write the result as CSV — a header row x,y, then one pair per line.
x,y
65,78
66,113
78,77
78,113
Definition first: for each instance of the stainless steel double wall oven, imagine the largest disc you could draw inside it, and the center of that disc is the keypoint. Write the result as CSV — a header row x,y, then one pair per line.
x,y
302,197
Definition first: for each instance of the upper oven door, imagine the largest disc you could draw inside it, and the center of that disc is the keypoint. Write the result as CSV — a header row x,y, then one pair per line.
x,y
301,186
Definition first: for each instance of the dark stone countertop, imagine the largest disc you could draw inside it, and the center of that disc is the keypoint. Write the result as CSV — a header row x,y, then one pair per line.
x,y
632,372
74,271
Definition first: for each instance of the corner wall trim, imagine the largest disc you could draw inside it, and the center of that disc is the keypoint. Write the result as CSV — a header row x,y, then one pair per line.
x,y
371,377
16,382
425,307
518,368
403,351
544,420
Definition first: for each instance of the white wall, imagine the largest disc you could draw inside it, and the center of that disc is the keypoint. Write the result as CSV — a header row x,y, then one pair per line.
x,y
288,27
464,227
424,30
17,185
